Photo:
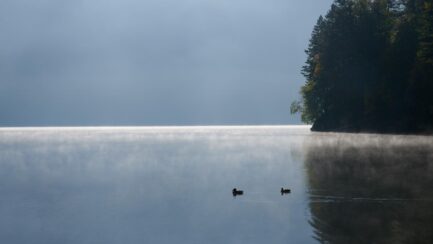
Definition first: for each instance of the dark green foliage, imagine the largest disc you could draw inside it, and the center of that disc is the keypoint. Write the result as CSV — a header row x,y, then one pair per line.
x,y
370,67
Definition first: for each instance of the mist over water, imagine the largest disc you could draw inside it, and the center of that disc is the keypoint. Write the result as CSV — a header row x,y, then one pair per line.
x,y
173,185
370,188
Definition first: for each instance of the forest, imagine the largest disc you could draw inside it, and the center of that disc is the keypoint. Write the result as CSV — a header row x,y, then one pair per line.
x,y
369,68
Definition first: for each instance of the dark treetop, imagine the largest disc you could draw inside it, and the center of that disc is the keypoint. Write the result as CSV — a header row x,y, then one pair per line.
x,y
370,68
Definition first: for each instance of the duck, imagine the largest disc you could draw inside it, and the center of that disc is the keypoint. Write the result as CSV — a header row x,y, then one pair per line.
x,y
236,192
284,191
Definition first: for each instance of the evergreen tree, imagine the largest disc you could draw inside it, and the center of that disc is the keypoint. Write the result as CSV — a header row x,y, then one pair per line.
x,y
369,67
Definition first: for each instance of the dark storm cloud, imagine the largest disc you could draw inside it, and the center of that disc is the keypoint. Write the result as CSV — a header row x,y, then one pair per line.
x,y
152,62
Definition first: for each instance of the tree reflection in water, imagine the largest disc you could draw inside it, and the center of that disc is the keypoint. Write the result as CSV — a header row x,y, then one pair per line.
x,y
370,189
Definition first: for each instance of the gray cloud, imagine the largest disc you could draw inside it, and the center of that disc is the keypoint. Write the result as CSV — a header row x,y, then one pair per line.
x,y
152,62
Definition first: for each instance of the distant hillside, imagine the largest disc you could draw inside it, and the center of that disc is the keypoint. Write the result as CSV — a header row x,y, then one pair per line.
x,y
370,68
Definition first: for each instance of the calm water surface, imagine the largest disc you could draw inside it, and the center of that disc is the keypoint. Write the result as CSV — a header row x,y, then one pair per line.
x,y
173,185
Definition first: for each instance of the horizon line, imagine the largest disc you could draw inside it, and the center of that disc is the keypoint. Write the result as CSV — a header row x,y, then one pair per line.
x,y
145,126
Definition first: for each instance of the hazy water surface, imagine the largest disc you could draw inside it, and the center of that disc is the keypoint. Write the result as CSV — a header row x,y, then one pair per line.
x,y
173,185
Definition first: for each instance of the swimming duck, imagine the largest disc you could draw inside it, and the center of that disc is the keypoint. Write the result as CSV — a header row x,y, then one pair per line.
x,y
284,191
236,192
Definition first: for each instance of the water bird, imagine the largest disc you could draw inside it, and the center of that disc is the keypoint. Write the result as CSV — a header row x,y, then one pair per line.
x,y
284,191
236,192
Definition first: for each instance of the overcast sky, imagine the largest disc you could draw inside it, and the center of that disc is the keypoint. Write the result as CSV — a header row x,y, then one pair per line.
x,y
152,62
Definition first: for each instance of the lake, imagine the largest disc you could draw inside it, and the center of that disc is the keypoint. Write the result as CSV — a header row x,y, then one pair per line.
x,y
174,185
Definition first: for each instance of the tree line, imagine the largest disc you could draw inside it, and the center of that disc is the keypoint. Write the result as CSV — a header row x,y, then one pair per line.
x,y
369,67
